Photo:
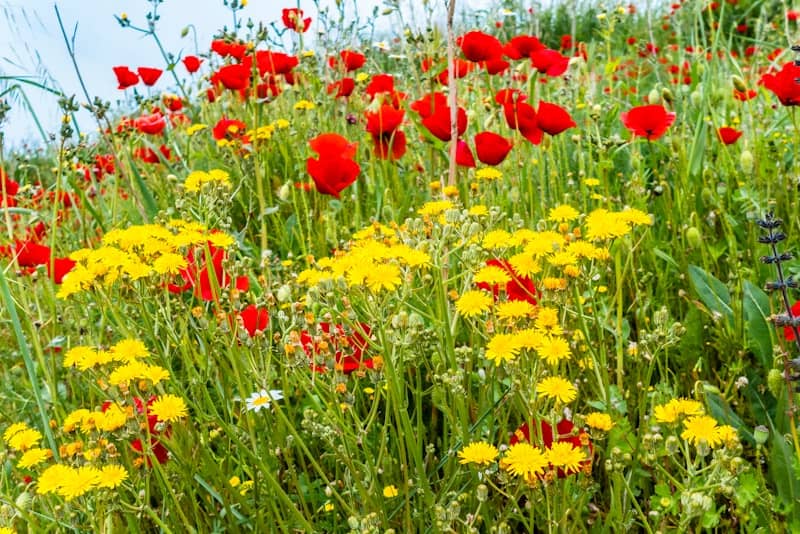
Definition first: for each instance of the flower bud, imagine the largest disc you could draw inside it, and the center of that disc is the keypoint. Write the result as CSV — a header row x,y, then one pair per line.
x,y
738,83
653,97
667,95
775,382
693,237
746,161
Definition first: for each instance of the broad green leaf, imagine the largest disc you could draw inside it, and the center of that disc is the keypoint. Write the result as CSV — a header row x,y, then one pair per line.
x,y
713,293
759,333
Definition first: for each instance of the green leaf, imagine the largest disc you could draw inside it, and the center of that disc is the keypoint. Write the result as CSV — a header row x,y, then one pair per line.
x,y
148,200
759,333
697,154
713,293
747,489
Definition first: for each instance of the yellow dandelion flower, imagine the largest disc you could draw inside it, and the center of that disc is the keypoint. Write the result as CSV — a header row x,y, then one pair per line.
x,y
599,421
384,276
304,105
74,419
169,263
194,128
488,173
33,457
124,374
390,491
78,482
563,213
525,264
562,259
52,478
129,350
473,303
672,410
554,284
112,418
515,309
169,408
24,439
111,476
154,374
220,239
502,347
553,349
564,455
591,182
555,387
525,460
13,429
635,217
492,275
479,452
700,428
435,207
602,225
496,239
76,355
281,124
478,210
728,435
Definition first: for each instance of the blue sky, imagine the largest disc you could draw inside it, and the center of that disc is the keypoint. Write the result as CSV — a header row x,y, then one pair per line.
x,y
31,28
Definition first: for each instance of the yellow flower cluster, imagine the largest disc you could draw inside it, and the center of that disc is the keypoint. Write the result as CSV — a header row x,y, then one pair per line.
x,y
197,179
127,352
138,252
375,259
697,426
20,437
602,224
70,482
264,133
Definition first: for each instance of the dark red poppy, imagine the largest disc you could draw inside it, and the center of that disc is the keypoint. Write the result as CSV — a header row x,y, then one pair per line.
x,y
149,75
342,88
522,46
275,62
491,148
234,77
649,121
464,156
550,62
192,63
202,264
438,123
518,288
553,119
254,319
152,124
125,77
478,46
544,438
331,145
293,20
788,331
784,84
230,129
391,146
351,60
333,174
728,135
385,120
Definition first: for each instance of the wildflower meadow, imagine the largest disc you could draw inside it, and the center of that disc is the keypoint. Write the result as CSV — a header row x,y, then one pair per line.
x,y
521,268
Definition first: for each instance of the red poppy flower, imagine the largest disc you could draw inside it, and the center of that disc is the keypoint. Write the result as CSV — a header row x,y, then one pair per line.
x,y
478,46
192,63
438,123
230,129
462,69
275,62
148,155
103,164
343,87
744,96
331,175
125,77
784,84
384,121
333,145
565,433
391,146
202,263
152,124
29,253
549,62
518,288
426,105
7,185
553,119
254,319
649,121
788,331
491,148
234,77
350,60
149,75
728,135
496,65
268,89
293,20
59,268
522,46
464,156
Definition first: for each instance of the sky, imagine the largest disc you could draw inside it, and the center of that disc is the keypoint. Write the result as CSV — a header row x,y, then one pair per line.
x,y
30,36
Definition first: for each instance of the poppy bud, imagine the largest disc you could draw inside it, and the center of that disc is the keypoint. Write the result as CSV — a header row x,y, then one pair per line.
x,y
761,434
667,95
284,192
775,382
746,161
653,97
738,83
696,98
693,237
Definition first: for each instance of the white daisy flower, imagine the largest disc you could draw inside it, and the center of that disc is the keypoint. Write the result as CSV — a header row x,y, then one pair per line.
x,y
262,399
